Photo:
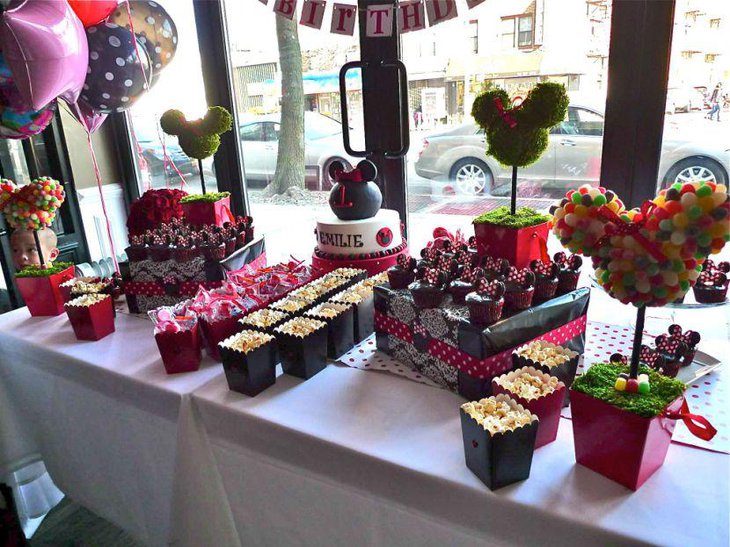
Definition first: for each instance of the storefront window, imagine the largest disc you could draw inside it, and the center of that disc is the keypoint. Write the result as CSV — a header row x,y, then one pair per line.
x,y
450,178
288,184
696,142
180,86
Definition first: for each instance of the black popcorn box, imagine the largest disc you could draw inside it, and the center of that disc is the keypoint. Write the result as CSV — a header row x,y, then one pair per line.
x,y
500,459
363,317
250,373
340,330
443,345
303,357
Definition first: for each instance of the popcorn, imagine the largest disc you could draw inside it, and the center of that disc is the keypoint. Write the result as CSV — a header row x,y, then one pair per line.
x,y
300,327
528,383
348,272
546,353
379,279
328,310
263,318
291,305
309,292
347,297
498,414
329,282
87,300
246,341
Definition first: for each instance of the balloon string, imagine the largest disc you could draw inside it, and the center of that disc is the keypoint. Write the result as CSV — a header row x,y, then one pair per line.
x,y
165,157
103,201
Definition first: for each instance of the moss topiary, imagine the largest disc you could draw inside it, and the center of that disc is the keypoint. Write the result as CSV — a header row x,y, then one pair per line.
x,y
210,197
37,271
600,379
522,144
199,139
523,217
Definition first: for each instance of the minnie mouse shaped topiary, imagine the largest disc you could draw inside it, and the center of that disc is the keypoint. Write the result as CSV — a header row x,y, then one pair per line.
x,y
518,136
355,196
200,138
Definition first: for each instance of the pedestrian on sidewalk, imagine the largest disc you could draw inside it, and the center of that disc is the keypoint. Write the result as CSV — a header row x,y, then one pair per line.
x,y
715,99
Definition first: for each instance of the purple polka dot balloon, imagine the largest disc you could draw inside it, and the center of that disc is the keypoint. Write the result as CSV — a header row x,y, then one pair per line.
x,y
154,29
116,77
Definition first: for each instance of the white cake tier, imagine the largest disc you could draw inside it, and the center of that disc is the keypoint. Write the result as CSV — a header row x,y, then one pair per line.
x,y
371,235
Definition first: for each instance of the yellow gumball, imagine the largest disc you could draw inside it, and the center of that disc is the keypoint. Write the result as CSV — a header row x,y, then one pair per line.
x,y
718,198
707,203
581,210
660,200
613,206
680,220
721,188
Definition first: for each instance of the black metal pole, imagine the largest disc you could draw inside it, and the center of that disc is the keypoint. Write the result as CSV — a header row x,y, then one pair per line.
x,y
638,335
513,202
38,248
202,178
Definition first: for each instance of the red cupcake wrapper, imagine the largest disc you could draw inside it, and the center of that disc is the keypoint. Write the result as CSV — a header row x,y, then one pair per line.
x,y
519,300
486,313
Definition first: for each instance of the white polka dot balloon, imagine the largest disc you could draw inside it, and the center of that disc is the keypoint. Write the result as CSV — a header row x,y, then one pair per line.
x,y
154,29
116,76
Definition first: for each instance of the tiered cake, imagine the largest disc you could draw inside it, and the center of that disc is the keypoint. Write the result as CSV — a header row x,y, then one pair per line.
x,y
359,234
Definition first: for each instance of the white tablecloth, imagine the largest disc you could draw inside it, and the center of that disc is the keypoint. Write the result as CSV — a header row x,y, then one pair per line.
x,y
348,457
362,458
103,416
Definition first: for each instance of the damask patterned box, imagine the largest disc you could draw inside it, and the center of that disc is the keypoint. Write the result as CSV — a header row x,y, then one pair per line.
x,y
442,344
149,284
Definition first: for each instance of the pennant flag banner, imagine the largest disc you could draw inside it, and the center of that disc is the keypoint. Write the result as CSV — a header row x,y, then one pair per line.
x,y
381,20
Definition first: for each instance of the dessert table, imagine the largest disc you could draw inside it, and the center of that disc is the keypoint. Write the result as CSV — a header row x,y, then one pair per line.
x,y
104,417
348,456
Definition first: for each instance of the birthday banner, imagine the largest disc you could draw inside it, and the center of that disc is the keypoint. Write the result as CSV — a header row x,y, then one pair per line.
x,y
408,15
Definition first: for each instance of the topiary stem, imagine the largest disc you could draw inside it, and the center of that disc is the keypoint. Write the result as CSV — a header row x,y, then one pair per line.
x,y
202,178
38,248
638,335
513,202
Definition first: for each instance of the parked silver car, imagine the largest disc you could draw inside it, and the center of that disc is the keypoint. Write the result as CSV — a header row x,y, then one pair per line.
x,y
322,145
456,160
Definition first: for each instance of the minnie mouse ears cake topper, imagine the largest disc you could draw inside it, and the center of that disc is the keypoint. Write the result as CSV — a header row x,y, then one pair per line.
x,y
355,196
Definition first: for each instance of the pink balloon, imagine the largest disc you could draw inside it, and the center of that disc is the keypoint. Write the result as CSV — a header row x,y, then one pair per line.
x,y
45,46
87,116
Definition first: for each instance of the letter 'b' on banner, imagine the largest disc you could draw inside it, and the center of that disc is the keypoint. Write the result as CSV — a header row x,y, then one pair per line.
x,y
343,19
312,13
379,21
286,8
440,11
411,16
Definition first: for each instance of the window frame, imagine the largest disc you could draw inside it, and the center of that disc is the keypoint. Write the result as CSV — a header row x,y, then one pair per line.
x,y
631,109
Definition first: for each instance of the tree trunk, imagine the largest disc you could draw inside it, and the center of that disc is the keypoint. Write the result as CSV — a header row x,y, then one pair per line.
x,y
290,161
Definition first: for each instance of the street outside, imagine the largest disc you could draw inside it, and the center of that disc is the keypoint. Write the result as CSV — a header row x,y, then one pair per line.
x,y
428,206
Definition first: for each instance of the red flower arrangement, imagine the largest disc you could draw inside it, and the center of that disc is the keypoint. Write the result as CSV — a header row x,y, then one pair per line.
x,y
153,208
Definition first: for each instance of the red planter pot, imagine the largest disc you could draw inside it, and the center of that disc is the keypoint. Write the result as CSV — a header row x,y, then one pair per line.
x,y
618,444
198,213
546,408
42,295
180,351
218,331
92,322
518,245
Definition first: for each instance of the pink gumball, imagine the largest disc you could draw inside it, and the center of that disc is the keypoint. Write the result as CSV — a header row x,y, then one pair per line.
x,y
45,46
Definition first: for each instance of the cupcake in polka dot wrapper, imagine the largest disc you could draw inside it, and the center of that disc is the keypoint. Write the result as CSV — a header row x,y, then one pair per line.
x,y
116,76
520,285
486,303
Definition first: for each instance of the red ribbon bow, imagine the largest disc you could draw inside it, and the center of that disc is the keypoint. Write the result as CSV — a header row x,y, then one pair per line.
x,y
506,115
698,425
632,229
349,176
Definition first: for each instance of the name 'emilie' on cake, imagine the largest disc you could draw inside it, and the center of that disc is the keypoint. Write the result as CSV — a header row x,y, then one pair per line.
x,y
359,234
